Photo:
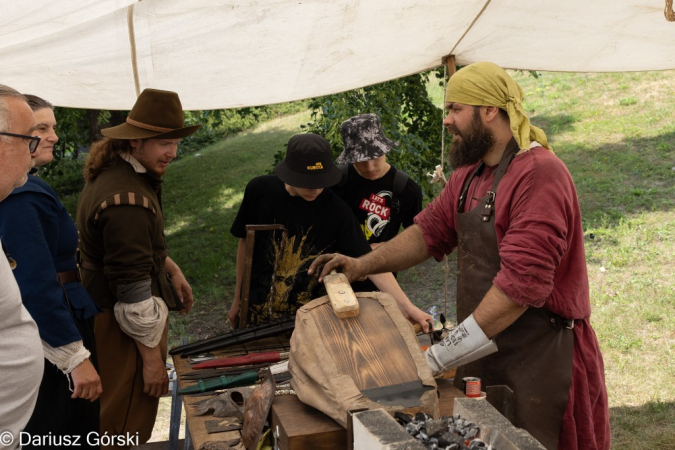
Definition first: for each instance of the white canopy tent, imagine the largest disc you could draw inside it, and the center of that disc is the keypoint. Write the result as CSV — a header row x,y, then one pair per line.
x,y
232,53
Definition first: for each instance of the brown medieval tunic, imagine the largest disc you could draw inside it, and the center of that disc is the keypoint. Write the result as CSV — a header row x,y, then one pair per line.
x,y
123,249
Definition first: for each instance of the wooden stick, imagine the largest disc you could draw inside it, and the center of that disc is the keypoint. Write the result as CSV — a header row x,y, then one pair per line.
x,y
341,295
449,61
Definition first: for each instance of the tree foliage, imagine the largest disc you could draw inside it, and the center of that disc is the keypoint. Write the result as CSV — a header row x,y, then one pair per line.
x,y
407,114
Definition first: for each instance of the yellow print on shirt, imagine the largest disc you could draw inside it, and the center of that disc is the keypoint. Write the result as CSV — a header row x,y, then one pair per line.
x,y
367,232
286,277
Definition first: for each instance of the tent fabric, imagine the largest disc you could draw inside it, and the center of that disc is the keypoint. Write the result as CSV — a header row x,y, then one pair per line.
x,y
234,53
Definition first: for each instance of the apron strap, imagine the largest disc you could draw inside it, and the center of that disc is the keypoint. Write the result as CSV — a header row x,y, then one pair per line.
x,y
508,155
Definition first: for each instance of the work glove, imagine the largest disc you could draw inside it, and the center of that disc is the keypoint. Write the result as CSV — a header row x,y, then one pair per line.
x,y
463,344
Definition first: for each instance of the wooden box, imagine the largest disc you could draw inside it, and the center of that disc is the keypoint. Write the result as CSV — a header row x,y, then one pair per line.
x,y
302,427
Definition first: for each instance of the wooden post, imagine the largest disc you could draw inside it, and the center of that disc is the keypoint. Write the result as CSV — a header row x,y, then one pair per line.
x,y
449,61
248,264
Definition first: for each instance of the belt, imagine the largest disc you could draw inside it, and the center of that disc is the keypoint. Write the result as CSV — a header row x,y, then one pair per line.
x,y
560,322
93,267
69,276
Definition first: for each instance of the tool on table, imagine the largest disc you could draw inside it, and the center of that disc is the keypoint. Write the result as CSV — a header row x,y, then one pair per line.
x,y
227,404
222,382
215,373
252,358
234,337
341,295
196,359
224,424
257,410
214,379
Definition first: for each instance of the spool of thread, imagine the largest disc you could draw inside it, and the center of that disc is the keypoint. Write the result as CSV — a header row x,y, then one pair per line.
x,y
471,387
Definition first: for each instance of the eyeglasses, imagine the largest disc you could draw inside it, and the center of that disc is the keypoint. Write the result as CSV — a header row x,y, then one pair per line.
x,y
33,143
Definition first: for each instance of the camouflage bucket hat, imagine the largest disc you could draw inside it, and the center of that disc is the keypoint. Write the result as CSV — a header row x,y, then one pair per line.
x,y
363,139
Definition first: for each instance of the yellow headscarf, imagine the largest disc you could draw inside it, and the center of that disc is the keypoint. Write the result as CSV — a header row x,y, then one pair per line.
x,y
487,84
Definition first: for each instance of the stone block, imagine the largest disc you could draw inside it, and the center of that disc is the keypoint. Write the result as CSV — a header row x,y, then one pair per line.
x,y
495,428
378,430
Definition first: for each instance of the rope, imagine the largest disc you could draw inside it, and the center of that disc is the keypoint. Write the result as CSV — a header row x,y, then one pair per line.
x,y
668,12
438,176
446,265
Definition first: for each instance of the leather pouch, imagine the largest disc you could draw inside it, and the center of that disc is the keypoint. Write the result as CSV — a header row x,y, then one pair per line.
x,y
169,293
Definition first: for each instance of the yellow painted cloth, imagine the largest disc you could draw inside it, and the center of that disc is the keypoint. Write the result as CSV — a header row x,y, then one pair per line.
x,y
487,84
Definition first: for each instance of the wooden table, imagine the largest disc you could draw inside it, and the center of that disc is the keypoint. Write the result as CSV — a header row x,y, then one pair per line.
x,y
197,424
300,426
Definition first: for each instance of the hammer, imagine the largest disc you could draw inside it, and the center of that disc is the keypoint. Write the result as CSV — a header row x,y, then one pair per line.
x,y
341,295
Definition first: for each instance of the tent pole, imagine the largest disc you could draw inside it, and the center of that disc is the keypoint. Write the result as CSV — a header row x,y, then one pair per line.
x,y
449,62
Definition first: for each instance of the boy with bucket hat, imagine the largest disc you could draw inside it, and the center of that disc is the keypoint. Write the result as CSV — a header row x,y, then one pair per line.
x,y
382,197
316,222
125,264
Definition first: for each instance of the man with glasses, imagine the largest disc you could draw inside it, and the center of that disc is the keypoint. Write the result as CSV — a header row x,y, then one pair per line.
x,y
21,358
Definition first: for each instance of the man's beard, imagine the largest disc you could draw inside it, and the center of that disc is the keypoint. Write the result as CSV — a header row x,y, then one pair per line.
x,y
475,142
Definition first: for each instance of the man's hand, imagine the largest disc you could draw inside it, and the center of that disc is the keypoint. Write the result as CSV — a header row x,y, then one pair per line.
x,y
155,378
184,292
181,285
86,381
350,267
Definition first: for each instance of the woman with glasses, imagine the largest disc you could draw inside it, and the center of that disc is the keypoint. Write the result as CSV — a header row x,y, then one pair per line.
x,y
39,233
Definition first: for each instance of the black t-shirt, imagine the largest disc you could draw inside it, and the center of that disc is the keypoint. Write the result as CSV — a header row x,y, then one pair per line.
x,y
324,225
379,212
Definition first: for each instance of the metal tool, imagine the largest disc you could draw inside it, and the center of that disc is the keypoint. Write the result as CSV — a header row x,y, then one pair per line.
x,y
222,382
252,358
235,337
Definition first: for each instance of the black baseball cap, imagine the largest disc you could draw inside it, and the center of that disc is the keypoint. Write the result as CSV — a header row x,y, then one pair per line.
x,y
308,163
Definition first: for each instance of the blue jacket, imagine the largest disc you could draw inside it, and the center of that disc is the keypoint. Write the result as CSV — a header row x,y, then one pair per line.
x,y
38,232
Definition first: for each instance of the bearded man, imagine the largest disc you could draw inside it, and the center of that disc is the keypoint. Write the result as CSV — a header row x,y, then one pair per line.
x,y
125,261
511,210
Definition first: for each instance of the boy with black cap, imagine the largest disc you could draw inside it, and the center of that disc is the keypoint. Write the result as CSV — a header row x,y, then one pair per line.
x,y
316,221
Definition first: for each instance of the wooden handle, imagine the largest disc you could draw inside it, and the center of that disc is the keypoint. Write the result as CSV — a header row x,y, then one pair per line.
x,y
418,328
341,295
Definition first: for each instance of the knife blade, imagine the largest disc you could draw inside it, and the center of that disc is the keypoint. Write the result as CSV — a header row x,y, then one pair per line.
x,y
253,358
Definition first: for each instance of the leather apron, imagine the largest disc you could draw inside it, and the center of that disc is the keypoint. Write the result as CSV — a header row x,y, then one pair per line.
x,y
535,352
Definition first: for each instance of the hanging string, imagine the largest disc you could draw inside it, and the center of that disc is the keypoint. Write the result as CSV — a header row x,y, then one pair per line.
x,y
446,265
438,176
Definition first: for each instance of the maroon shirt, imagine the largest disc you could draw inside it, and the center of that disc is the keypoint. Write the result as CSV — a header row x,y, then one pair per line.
x,y
543,263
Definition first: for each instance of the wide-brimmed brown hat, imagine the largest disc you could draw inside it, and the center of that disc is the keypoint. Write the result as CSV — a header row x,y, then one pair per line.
x,y
308,163
156,114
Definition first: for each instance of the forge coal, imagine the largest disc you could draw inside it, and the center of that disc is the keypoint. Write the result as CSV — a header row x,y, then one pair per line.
x,y
446,433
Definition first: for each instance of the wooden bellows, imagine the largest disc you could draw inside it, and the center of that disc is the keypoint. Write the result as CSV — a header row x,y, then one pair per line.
x,y
336,362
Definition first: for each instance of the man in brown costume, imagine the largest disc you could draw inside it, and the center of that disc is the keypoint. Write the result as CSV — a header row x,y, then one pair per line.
x,y
125,262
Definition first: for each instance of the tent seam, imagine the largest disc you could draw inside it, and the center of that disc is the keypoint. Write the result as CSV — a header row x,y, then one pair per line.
x,y
452,52
132,43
